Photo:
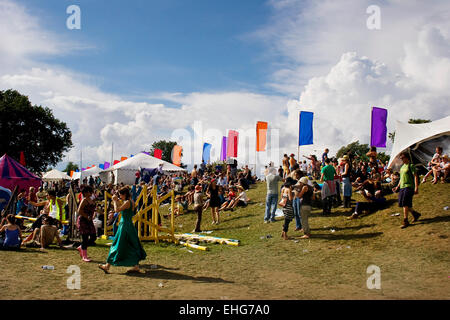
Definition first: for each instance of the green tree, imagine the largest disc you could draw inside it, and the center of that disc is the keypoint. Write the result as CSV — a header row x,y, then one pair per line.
x,y
33,130
166,147
391,135
355,148
71,167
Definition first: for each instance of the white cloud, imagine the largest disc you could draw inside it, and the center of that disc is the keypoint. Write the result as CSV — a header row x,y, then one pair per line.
x,y
327,62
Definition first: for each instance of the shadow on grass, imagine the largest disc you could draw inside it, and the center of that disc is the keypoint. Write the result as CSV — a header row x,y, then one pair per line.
x,y
234,216
432,220
346,228
163,274
345,236
232,228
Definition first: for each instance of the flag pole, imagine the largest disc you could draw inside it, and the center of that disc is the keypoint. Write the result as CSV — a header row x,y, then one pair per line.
x,y
298,142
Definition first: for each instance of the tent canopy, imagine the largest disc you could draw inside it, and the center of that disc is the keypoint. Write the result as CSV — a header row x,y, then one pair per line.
x,y
55,175
124,171
14,174
420,139
94,172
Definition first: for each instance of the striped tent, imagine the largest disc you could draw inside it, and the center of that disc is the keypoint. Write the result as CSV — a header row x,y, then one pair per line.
x,y
14,174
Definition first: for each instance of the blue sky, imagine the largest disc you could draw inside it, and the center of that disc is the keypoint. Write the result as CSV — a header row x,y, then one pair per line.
x,y
139,47
141,71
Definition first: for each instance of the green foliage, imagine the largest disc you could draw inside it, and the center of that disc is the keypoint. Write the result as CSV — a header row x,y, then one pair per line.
x,y
418,121
383,157
166,147
33,130
71,167
355,148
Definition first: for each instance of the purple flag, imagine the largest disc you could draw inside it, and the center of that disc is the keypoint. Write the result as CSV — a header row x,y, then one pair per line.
x,y
223,153
379,128
106,165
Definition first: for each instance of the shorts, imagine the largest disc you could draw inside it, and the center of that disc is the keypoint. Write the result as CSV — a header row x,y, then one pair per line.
x,y
241,203
405,197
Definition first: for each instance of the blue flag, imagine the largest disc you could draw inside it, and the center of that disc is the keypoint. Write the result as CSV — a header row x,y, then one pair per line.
x,y
206,152
305,134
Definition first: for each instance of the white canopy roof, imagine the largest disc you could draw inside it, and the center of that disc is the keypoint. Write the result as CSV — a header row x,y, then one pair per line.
x,y
143,160
94,172
407,135
55,175
124,171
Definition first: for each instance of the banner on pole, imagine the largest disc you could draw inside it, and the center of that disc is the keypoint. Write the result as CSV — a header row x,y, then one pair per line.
x,y
232,144
176,155
305,127
223,153
157,153
261,136
206,152
379,129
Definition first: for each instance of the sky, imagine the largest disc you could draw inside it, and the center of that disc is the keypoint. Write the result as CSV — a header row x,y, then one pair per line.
x,y
190,70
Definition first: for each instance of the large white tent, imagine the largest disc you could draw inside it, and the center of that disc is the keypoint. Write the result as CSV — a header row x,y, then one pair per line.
x,y
421,140
55,175
125,171
94,172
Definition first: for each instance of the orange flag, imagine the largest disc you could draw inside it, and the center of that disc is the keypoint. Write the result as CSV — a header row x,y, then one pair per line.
x,y
176,155
261,135
123,158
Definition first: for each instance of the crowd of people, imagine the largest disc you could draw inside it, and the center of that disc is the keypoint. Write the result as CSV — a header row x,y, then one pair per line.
x,y
327,183
337,179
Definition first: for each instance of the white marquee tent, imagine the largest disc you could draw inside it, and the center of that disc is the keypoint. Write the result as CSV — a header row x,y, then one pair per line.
x,y
55,175
421,140
125,171
94,172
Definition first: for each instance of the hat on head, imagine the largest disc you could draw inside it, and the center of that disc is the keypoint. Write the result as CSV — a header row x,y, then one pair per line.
x,y
304,180
345,157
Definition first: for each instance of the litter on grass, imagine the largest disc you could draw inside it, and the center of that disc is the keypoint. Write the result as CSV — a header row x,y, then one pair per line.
x,y
395,214
446,208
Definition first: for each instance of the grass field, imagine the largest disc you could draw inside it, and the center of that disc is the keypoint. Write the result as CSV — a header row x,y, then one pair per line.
x,y
414,262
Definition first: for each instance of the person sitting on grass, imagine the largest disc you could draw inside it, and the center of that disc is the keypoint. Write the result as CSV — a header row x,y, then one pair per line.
x,y
441,170
435,161
13,235
388,187
373,194
48,232
227,205
240,200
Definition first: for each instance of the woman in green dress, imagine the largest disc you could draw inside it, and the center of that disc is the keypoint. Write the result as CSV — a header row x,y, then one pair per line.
x,y
126,249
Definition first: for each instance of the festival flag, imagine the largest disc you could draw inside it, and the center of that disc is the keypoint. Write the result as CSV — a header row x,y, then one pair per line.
x,y
115,162
82,169
123,158
232,144
100,166
157,153
223,153
379,128
305,128
71,173
261,136
206,152
131,155
176,155
106,165
22,159
145,153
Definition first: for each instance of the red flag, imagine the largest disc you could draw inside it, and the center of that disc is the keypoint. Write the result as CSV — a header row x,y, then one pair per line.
x,y
115,162
157,153
22,158
232,144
